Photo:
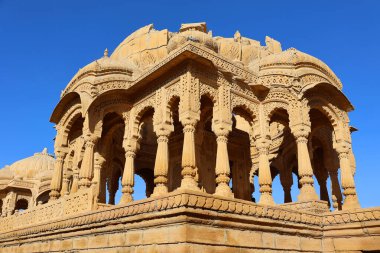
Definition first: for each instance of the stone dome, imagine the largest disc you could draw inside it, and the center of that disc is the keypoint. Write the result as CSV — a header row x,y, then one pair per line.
x,y
106,63
32,167
291,59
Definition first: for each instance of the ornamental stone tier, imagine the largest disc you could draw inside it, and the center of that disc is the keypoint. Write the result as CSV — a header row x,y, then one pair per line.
x,y
198,117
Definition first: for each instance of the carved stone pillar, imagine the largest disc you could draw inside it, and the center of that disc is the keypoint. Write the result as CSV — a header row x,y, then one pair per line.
x,y
348,184
87,170
75,184
286,182
65,185
305,170
77,158
103,184
254,165
265,177
112,188
189,169
336,194
222,167
99,162
56,182
127,181
161,166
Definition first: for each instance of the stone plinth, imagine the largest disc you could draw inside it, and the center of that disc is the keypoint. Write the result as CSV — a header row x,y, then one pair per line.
x,y
186,221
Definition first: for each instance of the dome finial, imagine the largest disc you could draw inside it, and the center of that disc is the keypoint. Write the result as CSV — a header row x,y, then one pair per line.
x,y
44,151
106,52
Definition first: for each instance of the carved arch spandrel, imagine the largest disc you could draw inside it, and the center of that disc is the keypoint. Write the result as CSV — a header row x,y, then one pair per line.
x,y
337,117
281,100
64,125
110,102
137,112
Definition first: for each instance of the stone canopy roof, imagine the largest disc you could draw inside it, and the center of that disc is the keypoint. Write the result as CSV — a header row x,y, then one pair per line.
x,y
146,48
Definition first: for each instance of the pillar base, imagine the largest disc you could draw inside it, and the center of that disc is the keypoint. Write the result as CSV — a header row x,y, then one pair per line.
x,y
307,193
224,190
54,195
159,190
350,202
125,198
189,183
266,199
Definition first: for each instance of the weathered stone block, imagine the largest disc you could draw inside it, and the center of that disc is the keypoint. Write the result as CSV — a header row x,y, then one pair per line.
x,y
67,244
357,243
203,234
287,242
55,245
155,235
116,240
243,238
133,237
310,244
44,246
80,243
98,241
268,240
177,234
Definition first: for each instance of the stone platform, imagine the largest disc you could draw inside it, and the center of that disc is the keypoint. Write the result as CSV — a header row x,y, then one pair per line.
x,y
185,221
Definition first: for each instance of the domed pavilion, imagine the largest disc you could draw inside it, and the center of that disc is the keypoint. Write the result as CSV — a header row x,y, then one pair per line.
x,y
26,183
208,123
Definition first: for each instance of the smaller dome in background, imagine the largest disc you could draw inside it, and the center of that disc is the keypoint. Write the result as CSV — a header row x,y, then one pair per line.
x,y
6,173
31,167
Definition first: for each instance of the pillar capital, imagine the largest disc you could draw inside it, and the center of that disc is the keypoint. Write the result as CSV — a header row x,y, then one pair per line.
x,y
91,139
262,145
60,153
189,118
342,148
301,131
130,144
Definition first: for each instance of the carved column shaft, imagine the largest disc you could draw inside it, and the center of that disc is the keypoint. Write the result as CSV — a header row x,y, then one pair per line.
x,y
265,177
336,194
348,184
87,170
127,181
99,162
65,186
222,167
305,170
56,182
188,158
161,166
75,184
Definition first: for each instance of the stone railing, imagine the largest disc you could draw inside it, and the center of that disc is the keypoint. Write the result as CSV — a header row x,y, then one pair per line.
x,y
79,202
351,216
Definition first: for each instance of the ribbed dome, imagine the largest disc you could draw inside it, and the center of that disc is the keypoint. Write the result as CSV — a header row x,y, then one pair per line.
x,y
106,63
291,56
291,59
32,167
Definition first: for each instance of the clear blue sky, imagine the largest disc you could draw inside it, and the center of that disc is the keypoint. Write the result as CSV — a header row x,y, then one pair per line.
x,y
44,43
